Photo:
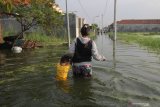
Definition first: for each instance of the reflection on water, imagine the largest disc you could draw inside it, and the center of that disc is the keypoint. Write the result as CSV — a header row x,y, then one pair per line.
x,y
63,85
81,88
2,59
114,54
129,78
131,73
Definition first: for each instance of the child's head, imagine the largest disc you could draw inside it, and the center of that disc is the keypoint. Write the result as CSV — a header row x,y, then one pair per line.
x,y
65,60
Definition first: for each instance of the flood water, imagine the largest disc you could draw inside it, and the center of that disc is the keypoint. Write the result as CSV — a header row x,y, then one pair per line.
x,y
129,78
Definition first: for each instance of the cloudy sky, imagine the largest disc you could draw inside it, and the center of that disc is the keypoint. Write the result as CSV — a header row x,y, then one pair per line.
x,y
93,10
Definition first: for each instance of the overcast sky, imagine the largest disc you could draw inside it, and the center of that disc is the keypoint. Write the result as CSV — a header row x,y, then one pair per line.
x,y
93,10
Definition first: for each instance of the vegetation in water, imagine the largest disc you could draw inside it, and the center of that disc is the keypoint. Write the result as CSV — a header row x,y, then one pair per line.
x,y
149,39
47,40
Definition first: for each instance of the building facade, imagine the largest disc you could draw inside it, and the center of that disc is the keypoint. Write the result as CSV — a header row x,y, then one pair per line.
x,y
149,25
75,24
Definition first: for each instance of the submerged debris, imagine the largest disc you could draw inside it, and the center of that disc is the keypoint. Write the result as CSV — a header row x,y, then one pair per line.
x,y
11,41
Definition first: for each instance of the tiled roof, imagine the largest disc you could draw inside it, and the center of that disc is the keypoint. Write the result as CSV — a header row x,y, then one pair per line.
x,y
149,21
26,2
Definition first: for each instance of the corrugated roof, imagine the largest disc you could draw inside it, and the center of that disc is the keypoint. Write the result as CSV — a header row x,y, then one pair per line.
x,y
149,21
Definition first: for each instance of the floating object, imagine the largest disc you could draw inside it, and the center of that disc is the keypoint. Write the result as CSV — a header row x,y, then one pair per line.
x,y
16,49
62,71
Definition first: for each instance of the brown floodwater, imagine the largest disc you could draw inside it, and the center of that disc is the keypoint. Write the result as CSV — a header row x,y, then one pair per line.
x,y
129,78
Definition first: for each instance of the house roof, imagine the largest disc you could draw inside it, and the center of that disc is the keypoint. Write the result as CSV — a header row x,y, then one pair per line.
x,y
25,2
148,21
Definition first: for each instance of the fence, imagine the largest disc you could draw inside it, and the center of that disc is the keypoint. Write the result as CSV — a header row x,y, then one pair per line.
x,y
10,26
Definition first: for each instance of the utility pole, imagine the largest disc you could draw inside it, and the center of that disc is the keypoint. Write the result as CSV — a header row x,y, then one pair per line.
x,y
115,23
102,33
102,23
115,35
68,28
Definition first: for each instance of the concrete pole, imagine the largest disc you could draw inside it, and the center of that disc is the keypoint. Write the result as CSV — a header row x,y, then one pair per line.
x,y
115,36
102,23
115,24
68,28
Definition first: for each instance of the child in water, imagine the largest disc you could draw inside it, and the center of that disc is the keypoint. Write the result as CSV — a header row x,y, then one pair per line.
x,y
63,68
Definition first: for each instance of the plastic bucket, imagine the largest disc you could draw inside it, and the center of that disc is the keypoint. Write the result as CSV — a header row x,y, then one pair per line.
x,y
16,49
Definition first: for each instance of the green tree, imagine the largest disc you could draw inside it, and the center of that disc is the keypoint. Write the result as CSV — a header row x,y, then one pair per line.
x,y
6,5
36,13
94,28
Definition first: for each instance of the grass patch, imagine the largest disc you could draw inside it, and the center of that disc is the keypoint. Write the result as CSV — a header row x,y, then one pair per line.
x,y
40,37
46,40
150,40
144,39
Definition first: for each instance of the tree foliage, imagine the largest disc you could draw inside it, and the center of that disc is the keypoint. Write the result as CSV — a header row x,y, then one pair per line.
x,y
94,26
35,13
6,5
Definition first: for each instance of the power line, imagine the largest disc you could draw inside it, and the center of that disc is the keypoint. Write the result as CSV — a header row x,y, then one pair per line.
x,y
106,6
84,10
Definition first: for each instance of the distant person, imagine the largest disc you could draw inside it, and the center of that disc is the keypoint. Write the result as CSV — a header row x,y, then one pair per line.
x,y
82,50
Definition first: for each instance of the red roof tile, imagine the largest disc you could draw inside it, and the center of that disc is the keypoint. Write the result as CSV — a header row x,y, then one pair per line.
x,y
16,2
150,21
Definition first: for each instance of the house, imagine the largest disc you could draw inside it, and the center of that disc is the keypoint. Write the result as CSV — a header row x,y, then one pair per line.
x,y
138,25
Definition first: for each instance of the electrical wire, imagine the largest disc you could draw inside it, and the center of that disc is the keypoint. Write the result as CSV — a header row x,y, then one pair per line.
x,y
84,10
106,6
